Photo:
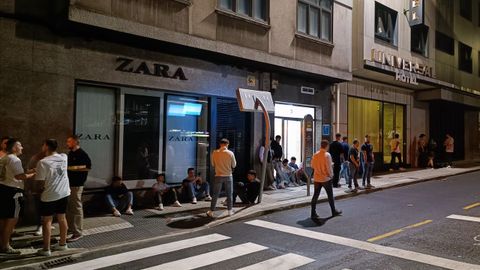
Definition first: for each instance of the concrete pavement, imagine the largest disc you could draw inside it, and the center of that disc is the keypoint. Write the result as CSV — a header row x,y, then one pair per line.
x,y
106,231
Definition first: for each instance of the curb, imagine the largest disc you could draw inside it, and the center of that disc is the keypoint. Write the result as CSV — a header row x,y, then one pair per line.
x,y
260,212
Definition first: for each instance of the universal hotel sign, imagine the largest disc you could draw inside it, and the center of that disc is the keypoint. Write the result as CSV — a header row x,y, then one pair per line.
x,y
405,71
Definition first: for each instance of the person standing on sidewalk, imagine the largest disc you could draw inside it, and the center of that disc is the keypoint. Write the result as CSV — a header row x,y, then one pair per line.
x,y
79,164
277,151
345,169
367,159
396,153
336,151
354,163
322,177
54,198
422,148
449,144
223,161
12,176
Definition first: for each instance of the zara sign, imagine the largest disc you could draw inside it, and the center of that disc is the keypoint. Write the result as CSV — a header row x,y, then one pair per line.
x,y
152,69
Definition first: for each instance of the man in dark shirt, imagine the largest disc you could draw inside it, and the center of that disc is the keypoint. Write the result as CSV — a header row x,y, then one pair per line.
x,y
118,197
367,159
354,163
277,158
336,151
247,192
78,166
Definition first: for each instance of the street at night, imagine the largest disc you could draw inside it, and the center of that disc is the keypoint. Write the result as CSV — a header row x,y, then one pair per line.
x,y
413,227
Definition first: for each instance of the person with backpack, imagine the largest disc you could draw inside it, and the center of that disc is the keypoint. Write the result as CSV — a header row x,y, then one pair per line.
x,y
367,159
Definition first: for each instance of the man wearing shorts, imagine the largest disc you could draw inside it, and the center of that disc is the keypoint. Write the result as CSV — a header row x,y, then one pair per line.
x,y
12,176
54,199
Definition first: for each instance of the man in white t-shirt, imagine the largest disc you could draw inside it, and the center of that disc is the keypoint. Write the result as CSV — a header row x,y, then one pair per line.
x,y
449,144
12,176
54,199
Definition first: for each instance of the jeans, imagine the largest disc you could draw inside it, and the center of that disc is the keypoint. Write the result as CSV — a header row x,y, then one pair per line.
x,y
367,172
393,165
353,175
345,171
75,211
120,203
336,173
198,192
329,189
165,196
240,191
217,187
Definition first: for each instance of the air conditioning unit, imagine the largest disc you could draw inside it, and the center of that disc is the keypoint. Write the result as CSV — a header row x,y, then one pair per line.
x,y
307,90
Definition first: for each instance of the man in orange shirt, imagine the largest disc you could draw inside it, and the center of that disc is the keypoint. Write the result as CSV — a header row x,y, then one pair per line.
x,y
322,177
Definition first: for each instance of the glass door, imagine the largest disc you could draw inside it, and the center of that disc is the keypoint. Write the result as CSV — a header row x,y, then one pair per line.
x,y
393,123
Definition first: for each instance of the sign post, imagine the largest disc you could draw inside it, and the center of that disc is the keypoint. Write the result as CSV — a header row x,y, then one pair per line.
x,y
307,132
258,101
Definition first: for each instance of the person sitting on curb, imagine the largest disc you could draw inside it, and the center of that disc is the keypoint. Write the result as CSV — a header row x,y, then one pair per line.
x,y
289,174
118,196
195,187
52,169
164,193
248,191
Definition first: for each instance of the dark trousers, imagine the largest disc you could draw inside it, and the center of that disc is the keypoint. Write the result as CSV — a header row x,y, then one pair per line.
x,y
336,172
393,165
449,158
240,190
329,189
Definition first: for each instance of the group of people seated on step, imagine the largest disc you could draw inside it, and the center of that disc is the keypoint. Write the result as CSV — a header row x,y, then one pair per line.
x,y
192,189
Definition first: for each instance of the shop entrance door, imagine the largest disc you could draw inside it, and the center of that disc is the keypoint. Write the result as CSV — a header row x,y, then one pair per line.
x,y
288,124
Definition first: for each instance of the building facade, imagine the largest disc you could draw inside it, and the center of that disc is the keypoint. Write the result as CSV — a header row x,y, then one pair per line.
x,y
403,81
150,86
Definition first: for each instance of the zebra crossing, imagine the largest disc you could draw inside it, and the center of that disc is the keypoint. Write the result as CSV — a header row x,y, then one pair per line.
x,y
283,262
244,250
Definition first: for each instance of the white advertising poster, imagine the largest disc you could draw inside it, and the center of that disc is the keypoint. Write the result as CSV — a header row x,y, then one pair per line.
x,y
95,125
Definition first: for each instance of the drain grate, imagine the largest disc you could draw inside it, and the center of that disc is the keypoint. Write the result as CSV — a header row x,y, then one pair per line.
x,y
57,262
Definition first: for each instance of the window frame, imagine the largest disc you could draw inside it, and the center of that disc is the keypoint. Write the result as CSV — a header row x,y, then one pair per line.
x,y
461,10
251,12
438,34
420,27
461,66
307,20
395,26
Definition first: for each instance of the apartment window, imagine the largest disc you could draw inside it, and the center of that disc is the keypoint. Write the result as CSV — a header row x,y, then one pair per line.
x,y
444,43
252,8
419,39
466,9
386,24
465,57
314,18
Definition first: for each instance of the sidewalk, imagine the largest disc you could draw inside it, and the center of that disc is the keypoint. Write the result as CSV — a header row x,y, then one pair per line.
x,y
103,232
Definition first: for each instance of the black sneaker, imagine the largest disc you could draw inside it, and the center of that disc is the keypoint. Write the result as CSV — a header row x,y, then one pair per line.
x,y
370,186
314,216
74,238
336,213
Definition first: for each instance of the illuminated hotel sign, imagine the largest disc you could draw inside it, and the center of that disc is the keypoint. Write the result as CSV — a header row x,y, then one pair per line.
x,y
400,63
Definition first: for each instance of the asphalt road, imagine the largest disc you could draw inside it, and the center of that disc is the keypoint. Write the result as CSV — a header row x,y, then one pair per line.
x,y
400,228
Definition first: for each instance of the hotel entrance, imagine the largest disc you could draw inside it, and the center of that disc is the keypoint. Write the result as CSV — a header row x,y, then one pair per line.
x,y
288,124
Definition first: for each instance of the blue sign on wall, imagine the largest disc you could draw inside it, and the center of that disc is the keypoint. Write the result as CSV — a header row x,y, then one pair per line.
x,y
326,130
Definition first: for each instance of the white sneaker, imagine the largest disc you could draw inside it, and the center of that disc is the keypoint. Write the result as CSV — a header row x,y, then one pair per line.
x,y
194,201
208,198
210,214
42,252
116,213
159,207
59,247
177,204
39,231
230,213
130,211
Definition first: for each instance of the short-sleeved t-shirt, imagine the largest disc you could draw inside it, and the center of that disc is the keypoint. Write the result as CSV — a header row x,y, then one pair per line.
x,y
353,152
449,145
395,146
11,165
368,148
53,170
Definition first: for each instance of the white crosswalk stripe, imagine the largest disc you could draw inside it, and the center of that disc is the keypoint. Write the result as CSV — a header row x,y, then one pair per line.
x,y
284,262
465,218
390,251
210,257
145,252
